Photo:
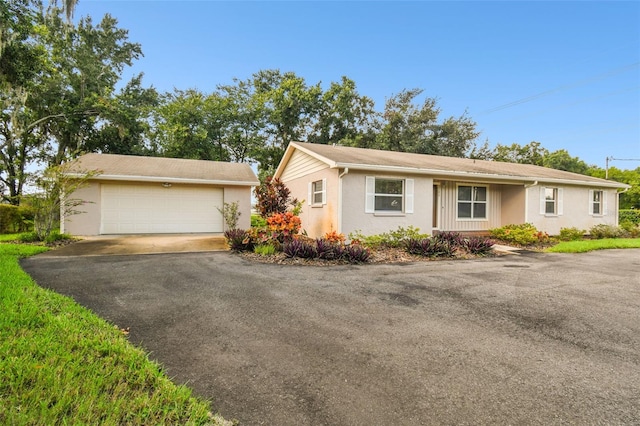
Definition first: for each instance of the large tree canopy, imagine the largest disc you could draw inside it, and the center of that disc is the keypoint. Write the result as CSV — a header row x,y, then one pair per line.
x,y
255,119
62,95
59,93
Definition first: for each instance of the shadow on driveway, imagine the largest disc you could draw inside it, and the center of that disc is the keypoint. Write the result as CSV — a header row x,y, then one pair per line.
x,y
546,339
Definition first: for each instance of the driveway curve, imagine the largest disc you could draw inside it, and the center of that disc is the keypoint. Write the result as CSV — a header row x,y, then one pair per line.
x,y
532,339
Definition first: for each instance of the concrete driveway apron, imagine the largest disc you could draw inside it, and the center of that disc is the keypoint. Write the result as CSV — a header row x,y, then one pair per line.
x,y
141,244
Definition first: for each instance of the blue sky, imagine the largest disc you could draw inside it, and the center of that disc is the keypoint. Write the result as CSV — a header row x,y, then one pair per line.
x,y
566,74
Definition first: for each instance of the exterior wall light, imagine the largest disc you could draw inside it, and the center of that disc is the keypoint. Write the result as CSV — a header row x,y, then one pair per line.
x,y
166,185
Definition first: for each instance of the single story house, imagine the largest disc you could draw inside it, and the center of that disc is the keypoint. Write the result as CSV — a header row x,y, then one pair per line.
x,y
372,191
152,195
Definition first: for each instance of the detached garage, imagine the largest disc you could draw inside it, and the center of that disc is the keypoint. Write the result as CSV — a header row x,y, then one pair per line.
x,y
153,195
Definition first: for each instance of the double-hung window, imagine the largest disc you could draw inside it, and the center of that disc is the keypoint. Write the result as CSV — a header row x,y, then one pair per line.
x,y
550,201
472,202
388,195
317,193
597,203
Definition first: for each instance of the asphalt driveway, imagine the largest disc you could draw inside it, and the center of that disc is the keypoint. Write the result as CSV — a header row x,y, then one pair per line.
x,y
541,339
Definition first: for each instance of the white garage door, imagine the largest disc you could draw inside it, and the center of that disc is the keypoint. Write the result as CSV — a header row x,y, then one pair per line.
x,y
153,209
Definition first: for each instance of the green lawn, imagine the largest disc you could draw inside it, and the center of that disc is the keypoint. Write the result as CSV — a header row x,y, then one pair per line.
x,y
583,246
61,364
8,237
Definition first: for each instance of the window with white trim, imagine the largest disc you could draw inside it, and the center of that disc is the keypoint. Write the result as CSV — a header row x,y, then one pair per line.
x,y
550,201
472,202
597,203
318,193
389,195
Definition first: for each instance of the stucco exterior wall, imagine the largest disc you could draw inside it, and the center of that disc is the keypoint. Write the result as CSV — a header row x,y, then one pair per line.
x,y
317,220
513,204
88,221
241,194
575,209
353,208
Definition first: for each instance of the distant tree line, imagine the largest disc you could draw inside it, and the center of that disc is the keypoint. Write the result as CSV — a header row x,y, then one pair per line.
x,y
60,98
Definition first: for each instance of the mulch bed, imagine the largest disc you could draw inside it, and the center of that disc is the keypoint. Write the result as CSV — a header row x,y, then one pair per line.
x,y
383,255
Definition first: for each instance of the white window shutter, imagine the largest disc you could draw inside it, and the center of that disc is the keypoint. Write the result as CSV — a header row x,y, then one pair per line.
x,y
559,207
408,196
543,201
310,194
324,191
591,201
370,202
604,203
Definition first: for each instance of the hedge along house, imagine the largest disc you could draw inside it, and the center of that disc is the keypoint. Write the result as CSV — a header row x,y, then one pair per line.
x,y
153,195
372,191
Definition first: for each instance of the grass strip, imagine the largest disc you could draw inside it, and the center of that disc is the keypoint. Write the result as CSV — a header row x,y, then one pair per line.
x,y
584,246
61,364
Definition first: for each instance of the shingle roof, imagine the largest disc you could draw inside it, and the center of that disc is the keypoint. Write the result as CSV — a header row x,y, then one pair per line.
x,y
136,168
372,159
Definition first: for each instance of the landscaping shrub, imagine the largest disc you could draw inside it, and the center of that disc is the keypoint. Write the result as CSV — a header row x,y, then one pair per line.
x,y
56,236
284,225
630,229
29,237
571,234
630,215
258,221
428,247
238,239
231,214
523,234
334,237
388,239
273,197
355,253
15,218
34,237
329,250
326,250
300,248
605,231
265,249
478,245
454,239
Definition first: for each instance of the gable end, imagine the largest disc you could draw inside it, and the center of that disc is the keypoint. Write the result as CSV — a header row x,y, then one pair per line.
x,y
301,164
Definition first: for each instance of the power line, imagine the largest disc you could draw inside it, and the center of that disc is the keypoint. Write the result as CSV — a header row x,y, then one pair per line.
x,y
606,169
561,88
570,104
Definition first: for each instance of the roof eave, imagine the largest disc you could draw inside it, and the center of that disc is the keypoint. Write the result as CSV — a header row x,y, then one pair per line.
x,y
471,175
132,178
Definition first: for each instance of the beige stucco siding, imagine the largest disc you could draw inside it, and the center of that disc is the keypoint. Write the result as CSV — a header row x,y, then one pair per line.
x,y
513,204
575,202
241,194
449,208
87,222
300,165
318,219
354,199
